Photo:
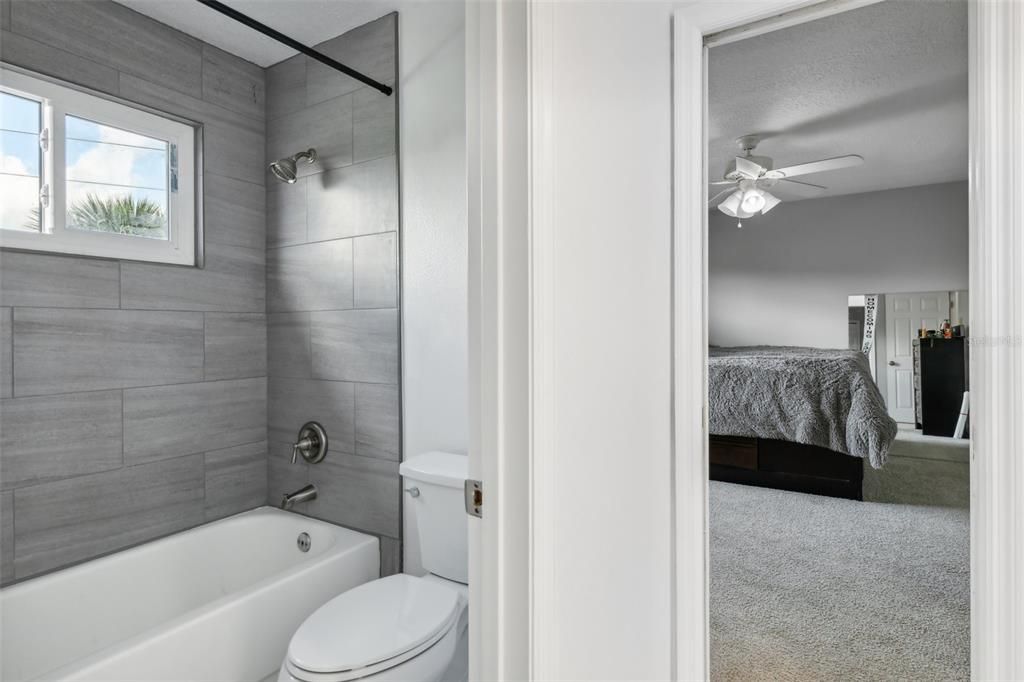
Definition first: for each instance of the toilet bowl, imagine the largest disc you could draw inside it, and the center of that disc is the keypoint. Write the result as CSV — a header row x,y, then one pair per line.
x,y
401,627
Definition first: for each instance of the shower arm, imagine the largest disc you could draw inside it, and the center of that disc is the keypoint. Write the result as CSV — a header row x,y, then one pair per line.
x,y
294,44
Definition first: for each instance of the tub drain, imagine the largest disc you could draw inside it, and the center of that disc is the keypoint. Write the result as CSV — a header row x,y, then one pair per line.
x,y
303,542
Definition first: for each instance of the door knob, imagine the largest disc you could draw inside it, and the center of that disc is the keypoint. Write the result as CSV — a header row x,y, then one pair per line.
x,y
893,363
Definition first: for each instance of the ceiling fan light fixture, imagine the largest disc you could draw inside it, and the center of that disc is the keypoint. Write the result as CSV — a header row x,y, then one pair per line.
x,y
753,201
770,202
731,205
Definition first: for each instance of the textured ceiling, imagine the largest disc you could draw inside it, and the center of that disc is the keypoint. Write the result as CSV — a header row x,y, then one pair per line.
x,y
308,21
887,81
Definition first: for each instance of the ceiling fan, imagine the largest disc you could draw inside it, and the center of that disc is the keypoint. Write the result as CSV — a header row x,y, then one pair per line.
x,y
749,177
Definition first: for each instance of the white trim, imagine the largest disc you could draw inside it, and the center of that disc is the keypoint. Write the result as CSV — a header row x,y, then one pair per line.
x,y
499,325
996,129
544,483
689,298
60,100
997,326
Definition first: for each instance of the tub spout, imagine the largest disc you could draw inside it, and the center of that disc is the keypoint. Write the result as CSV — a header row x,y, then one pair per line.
x,y
302,495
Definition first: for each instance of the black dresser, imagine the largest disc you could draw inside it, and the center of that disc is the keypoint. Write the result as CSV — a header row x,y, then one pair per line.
x,y
940,379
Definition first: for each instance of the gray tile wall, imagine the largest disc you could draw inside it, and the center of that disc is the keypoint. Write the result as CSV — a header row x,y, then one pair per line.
x,y
134,395
333,282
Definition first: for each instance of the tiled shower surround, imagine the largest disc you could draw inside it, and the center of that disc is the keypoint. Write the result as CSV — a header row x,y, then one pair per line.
x,y
135,396
332,283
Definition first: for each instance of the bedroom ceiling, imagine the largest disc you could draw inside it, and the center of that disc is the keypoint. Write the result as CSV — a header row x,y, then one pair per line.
x,y
887,81
308,21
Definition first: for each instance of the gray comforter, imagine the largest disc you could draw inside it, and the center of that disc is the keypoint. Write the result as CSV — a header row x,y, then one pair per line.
x,y
804,395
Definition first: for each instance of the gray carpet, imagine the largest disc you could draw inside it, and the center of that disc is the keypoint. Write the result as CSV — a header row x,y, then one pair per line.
x,y
805,587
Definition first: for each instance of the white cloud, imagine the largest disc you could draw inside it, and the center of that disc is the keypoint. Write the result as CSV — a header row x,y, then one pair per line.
x,y
19,194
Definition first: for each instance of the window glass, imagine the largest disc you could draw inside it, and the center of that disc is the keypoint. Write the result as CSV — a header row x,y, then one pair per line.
x,y
19,163
116,180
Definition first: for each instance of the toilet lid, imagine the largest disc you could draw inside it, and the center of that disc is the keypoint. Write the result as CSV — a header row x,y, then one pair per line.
x,y
376,621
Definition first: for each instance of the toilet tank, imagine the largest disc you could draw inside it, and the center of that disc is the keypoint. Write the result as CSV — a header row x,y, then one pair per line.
x,y
441,521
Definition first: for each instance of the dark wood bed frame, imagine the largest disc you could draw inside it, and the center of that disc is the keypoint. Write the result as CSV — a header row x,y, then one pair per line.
x,y
786,466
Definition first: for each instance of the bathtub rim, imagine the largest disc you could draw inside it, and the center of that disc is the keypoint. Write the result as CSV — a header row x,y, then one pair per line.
x,y
209,608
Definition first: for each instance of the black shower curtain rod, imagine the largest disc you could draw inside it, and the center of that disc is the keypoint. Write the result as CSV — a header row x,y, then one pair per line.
x,y
294,44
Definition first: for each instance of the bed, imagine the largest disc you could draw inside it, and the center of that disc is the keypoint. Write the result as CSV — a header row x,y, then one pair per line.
x,y
800,419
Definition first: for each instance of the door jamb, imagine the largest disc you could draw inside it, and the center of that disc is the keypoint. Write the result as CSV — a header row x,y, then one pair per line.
x,y
996,54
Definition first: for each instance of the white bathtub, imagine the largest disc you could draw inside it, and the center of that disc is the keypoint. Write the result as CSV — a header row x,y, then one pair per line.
x,y
218,602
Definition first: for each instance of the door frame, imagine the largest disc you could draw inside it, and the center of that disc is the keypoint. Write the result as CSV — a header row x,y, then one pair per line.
x,y
510,88
996,55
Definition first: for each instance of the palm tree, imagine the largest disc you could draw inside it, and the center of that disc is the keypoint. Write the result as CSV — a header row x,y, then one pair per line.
x,y
120,215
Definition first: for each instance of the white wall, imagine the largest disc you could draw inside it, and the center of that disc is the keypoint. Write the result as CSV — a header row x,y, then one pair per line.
x,y
784,278
432,129
611,525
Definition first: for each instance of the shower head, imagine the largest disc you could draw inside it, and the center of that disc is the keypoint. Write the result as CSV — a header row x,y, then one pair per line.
x,y
284,169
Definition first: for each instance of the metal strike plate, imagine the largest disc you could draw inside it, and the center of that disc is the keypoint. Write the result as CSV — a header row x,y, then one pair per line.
x,y
474,498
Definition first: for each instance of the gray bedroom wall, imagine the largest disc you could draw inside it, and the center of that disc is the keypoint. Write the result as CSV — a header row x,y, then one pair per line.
x,y
784,278
333,284
154,419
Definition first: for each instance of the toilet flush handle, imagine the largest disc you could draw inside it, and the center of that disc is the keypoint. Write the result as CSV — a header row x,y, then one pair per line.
x,y
413,491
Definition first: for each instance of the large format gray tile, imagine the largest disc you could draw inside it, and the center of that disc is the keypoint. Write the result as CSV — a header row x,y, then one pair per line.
x,y
235,212
6,537
61,351
286,212
236,345
6,353
288,345
283,477
38,280
53,61
167,421
355,345
191,108
390,556
236,479
116,36
233,82
293,402
286,86
370,49
310,277
233,144
377,421
234,152
375,270
374,128
68,521
360,199
52,437
358,492
326,126
231,281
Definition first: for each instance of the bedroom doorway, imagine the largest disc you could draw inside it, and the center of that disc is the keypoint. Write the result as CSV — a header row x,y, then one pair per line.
x,y
839,499
995,34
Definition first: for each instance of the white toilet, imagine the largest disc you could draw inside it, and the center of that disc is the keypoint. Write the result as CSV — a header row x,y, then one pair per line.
x,y
400,627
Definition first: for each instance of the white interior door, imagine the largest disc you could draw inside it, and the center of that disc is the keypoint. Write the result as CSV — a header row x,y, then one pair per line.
x,y
905,314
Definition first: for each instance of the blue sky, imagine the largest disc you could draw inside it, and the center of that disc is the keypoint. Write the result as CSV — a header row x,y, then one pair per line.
x,y
100,160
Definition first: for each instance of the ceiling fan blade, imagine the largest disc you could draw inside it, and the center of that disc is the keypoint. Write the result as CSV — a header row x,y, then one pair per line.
x,y
722,183
817,166
714,200
748,168
798,189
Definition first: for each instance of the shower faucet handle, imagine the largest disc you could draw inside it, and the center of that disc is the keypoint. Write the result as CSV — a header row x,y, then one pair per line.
x,y
311,443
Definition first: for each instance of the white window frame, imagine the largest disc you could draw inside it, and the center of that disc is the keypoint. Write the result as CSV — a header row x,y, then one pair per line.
x,y
59,100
